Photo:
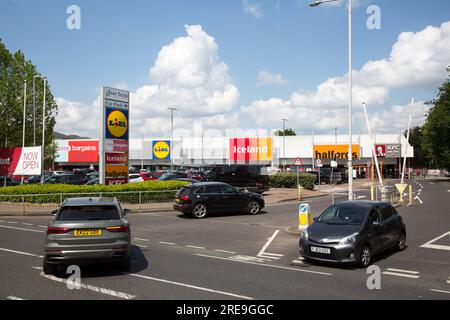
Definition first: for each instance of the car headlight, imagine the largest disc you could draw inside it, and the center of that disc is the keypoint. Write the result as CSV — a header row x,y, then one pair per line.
x,y
350,239
305,234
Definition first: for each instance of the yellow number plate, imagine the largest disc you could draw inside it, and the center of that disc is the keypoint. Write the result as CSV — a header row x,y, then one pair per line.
x,y
87,233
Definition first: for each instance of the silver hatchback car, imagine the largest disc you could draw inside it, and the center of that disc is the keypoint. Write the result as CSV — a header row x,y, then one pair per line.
x,y
88,230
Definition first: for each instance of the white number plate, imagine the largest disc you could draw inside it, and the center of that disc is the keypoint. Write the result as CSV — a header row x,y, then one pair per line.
x,y
321,250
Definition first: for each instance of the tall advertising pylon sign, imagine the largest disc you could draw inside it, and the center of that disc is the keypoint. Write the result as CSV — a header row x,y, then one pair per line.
x,y
114,142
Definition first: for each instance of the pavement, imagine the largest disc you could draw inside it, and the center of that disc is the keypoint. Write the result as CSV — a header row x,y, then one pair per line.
x,y
238,256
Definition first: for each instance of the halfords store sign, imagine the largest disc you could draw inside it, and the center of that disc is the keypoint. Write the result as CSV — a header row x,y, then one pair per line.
x,y
76,151
339,151
20,161
250,149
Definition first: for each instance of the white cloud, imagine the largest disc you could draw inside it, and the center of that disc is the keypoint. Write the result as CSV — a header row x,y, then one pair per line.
x,y
416,60
267,78
253,9
187,74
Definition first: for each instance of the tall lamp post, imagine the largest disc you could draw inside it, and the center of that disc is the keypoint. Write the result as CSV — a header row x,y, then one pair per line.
x,y
284,144
350,142
172,109
43,132
34,109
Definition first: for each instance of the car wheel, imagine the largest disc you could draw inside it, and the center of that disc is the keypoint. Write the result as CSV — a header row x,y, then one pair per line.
x,y
49,269
253,207
401,245
365,256
200,210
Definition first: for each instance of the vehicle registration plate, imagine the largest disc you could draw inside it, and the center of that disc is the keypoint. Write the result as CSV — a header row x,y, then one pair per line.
x,y
321,250
87,233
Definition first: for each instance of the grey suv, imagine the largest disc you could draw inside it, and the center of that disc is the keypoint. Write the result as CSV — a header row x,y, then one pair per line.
x,y
88,230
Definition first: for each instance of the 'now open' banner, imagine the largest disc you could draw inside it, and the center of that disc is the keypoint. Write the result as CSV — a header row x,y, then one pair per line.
x,y
20,161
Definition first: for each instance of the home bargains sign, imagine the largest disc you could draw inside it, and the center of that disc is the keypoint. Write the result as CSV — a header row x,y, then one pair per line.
x,y
20,161
76,151
250,149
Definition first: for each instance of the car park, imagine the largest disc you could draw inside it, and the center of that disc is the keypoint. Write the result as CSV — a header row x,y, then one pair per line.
x,y
66,179
353,232
204,198
252,178
172,176
93,182
88,230
197,175
135,177
8,181
149,175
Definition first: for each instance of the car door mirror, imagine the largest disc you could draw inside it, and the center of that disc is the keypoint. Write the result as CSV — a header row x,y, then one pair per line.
x,y
315,219
54,212
377,223
127,211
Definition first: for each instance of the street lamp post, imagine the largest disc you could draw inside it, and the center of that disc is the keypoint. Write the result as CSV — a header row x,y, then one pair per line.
x,y
24,117
43,132
284,144
350,142
172,109
34,109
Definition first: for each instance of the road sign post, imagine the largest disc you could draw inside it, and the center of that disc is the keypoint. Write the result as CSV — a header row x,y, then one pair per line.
x,y
304,216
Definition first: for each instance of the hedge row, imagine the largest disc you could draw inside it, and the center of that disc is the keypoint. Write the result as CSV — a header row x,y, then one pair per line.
x,y
167,190
289,180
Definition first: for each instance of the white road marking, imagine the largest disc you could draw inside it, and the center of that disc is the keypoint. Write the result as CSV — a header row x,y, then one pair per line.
x,y
190,286
225,251
441,291
141,246
195,247
266,265
42,226
20,252
249,258
264,254
430,244
27,224
140,239
22,229
13,222
168,243
14,298
420,200
431,182
108,292
401,270
361,197
2,221
401,275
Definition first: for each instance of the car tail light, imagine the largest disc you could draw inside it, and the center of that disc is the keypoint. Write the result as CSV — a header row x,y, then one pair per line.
x,y
185,198
123,228
57,230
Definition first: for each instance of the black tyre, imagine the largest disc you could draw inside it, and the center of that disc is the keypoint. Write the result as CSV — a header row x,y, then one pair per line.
x,y
401,244
49,269
199,211
365,256
253,207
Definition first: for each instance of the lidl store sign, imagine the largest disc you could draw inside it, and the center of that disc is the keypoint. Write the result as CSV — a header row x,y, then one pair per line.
x,y
160,149
116,124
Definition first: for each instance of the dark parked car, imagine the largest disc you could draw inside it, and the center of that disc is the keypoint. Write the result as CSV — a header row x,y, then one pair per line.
x,y
252,178
197,175
88,230
8,181
172,176
76,179
203,198
329,177
353,232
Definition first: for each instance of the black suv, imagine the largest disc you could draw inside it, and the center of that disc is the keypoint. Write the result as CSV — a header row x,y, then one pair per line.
x,y
76,179
252,178
203,198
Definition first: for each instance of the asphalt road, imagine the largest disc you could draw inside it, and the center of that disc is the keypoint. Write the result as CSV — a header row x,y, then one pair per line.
x,y
237,257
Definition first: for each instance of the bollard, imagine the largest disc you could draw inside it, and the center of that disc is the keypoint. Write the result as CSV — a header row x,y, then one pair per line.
x,y
372,192
304,216
300,193
410,195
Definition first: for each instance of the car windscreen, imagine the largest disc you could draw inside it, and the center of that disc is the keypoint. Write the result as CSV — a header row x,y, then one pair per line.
x,y
88,213
343,215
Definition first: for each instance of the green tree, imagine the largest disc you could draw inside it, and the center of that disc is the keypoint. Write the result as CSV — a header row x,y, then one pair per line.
x,y
287,132
420,159
436,131
14,70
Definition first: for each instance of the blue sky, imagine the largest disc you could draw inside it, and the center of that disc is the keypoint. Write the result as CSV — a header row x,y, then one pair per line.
x,y
119,42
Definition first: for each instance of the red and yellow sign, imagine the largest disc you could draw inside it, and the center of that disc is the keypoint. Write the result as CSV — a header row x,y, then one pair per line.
x,y
250,149
117,124
116,171
339,151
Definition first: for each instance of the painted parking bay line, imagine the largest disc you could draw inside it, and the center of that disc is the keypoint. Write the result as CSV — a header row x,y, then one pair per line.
x,y
430,245
402,273
266,265
189,286
21,229
21,252
14,298
108,292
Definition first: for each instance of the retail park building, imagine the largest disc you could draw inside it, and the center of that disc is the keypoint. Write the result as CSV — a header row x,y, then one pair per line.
x,y
156,153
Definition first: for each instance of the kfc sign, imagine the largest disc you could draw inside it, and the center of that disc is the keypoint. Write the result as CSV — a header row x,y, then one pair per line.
x,y
380,150
76,151
387,151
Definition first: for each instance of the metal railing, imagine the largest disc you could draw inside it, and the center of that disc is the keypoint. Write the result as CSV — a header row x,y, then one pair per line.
x,y
155,200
